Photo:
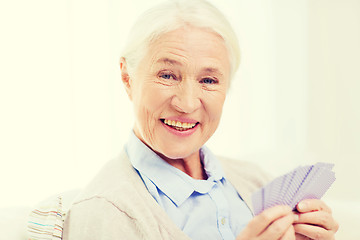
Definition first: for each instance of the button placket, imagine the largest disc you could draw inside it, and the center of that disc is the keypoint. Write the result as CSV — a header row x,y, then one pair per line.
x,y
222,211
223,220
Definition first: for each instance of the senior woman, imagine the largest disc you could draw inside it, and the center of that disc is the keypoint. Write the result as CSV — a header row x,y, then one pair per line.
x,y
176,69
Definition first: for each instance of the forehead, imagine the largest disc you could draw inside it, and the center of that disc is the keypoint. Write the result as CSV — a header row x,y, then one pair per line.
x,y
190,46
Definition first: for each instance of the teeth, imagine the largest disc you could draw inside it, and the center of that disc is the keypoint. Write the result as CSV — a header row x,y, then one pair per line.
x,y
179,125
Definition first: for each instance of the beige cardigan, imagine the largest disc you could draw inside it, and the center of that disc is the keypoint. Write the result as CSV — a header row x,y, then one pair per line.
x,y
116,204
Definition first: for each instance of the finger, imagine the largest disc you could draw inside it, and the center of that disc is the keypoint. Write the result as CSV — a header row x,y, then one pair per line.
x,y
310,205
289,234
313,232
260,222
278,228
301,237
319,218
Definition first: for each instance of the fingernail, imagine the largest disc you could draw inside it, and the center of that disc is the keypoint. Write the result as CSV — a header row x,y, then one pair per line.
x,y
302,205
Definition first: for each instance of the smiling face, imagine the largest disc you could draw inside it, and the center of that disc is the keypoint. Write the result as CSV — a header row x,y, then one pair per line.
x,y
178,91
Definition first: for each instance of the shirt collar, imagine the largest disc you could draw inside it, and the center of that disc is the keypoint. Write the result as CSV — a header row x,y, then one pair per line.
x,y
174,183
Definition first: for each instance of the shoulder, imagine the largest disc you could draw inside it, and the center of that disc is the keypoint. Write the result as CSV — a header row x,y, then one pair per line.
x,y
245,170
116,186
115,205
99,218
245,176
110,205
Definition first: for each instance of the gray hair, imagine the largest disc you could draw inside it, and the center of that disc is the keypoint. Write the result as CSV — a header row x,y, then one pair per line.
x,y
172,15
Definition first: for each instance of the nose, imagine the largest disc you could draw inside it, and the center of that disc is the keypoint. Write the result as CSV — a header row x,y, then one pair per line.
x,y
187,97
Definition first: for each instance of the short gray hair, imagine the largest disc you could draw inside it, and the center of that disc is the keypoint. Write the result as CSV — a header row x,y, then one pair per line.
x,y
174,14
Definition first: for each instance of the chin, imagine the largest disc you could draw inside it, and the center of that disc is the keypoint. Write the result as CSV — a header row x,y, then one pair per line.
x,y
177,153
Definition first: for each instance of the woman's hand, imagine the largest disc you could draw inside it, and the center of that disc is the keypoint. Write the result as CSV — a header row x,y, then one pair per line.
x,y
315,221
272,224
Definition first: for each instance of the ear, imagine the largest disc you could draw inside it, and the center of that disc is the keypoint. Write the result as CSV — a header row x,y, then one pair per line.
x,y
125,77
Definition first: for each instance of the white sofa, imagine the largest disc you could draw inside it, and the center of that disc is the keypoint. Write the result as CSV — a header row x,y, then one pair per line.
x,y
14,220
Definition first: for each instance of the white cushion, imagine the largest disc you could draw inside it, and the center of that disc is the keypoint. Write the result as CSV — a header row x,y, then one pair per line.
x,y
46,221
13,223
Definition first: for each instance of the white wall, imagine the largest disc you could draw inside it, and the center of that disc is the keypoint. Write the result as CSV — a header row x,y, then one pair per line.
x,y
64,112
334,86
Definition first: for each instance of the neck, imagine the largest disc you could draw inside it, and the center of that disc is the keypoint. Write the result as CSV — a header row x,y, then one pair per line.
x,y
190,165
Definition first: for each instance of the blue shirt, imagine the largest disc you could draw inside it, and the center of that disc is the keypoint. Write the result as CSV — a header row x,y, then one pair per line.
x,y
203,209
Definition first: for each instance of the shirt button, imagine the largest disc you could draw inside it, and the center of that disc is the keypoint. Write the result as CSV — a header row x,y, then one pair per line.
x,y
223,221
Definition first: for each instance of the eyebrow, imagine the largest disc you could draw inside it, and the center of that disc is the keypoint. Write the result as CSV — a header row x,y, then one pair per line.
x,y
213,71
169,61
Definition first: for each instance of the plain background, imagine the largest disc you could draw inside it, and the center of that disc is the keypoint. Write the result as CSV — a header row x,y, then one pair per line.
x,y
64,112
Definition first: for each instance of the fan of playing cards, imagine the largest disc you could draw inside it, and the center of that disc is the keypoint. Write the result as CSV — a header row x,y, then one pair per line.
x,y
307,182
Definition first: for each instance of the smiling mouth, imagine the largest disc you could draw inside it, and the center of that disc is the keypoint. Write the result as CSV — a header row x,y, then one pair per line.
x,y
179,126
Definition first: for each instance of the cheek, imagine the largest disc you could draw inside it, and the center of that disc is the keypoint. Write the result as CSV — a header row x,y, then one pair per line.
x,y
145,120
155,99
213,110
214,106
150,103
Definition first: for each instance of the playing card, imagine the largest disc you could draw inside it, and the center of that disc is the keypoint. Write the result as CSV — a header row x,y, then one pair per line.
x,y
304,182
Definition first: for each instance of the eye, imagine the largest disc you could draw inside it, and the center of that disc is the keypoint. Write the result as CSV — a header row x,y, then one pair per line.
x,y
209,81
167,76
